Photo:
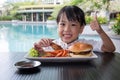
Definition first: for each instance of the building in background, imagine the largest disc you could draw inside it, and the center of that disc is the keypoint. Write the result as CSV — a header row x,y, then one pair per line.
x,y
39,12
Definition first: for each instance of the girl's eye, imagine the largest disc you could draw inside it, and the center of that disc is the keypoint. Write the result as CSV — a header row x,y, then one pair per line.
x,y
62,24
74,25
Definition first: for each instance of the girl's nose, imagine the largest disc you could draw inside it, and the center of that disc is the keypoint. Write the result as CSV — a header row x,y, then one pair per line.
x,y
67,28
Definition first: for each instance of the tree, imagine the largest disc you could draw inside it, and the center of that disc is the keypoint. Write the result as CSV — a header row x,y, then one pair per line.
x,y
76,2
71,2
12,8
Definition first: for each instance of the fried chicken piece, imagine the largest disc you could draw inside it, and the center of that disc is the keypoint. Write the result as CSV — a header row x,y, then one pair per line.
x,y
56,46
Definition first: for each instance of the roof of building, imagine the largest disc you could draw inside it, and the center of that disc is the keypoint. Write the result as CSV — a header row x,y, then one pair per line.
x,y
38,6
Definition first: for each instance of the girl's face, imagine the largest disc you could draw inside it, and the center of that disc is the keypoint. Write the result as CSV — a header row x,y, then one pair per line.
x,y
69,30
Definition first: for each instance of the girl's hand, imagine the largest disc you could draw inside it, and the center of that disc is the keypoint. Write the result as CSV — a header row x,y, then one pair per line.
x,y
42,43
45,42
95,24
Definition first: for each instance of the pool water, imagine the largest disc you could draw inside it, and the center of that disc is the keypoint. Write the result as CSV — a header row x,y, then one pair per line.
x,y
21,37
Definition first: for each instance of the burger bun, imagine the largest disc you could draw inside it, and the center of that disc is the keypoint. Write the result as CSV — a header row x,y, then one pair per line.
x,y
79,49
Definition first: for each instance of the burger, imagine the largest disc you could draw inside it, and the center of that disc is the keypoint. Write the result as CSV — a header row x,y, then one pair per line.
x,y
80,50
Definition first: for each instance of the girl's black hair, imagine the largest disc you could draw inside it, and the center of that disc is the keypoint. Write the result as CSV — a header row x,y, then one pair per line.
x,y
73,13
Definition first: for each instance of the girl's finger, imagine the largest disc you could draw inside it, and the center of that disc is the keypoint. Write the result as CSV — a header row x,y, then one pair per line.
x,y
35,45
92,25
95,15
46,42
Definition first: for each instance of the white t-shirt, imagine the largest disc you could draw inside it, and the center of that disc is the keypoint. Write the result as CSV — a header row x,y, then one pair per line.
x,y
96,44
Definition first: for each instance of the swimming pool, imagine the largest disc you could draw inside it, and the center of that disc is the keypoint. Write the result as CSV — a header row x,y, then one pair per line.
x,y
21,37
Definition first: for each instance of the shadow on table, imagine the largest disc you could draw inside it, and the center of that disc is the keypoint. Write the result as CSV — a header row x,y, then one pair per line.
x,y
28,71
84,64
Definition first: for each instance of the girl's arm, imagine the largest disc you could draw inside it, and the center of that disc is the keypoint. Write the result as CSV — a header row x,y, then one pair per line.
x,y
107,45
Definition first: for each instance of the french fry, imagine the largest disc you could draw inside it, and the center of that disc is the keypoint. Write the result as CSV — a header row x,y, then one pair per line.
x,y
64,53
56,53
59,54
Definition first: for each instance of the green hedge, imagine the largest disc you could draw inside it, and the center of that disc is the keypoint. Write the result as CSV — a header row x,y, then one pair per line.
x,y
101,20
51,18
88,19
9,18
116,26
5,18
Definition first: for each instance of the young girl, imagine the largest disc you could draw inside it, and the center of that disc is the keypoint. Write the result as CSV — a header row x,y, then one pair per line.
x,y
71,22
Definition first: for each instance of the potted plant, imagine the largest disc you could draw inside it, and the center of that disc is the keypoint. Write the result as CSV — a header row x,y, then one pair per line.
x,y
116,26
